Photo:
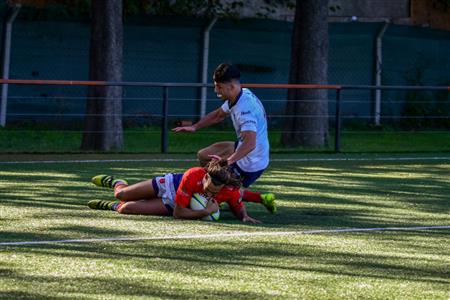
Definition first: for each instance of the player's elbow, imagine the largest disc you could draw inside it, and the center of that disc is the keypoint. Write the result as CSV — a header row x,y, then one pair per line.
x,y
218,119
219,116
178,213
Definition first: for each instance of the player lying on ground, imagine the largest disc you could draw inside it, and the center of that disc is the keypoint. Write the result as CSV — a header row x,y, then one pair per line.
x,y
170,195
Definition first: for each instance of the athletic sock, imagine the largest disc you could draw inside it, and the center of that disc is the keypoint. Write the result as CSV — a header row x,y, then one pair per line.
x,y
119,185
116,206
249,196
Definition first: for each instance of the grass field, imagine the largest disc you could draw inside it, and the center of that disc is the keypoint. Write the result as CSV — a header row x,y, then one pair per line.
x,y
46,201
149,141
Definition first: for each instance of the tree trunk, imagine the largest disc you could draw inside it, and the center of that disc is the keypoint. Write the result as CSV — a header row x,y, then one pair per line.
x,y
103,123
306,111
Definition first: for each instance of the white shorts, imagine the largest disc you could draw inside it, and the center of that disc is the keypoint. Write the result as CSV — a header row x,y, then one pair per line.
x,y
165,189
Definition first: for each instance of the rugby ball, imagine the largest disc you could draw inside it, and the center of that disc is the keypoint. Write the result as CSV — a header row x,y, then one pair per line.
x,y
198,202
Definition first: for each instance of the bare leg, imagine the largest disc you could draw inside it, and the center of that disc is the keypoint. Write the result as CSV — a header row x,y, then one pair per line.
x,y
222,149
144,207
138,191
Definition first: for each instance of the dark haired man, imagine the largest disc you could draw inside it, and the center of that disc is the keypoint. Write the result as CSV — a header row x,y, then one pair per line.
x,y
249,155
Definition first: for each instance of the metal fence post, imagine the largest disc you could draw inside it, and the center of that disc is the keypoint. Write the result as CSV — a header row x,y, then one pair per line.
x,y
337,133
165,112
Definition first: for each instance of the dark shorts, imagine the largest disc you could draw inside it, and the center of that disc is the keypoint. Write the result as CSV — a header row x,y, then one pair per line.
x,y
247,177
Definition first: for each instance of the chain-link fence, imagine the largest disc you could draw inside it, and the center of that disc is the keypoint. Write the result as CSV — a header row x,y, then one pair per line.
x,y
157,52
59,125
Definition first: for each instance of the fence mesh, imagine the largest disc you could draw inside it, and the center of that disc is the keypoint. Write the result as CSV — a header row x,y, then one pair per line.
x,y
156,52
56,123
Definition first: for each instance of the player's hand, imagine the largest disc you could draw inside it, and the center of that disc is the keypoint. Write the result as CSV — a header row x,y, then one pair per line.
x,y
212,206
248,219
184,129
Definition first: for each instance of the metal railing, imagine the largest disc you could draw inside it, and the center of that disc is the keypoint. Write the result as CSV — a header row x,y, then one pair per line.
x,y
166,86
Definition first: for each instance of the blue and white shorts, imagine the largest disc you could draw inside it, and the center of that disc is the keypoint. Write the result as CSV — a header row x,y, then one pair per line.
x,y
165,189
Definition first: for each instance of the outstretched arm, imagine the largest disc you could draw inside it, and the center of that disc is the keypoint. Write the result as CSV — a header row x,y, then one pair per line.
x,y
213,117
241,214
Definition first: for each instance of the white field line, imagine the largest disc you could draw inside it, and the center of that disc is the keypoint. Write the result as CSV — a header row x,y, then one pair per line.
x,y
226,235
191,159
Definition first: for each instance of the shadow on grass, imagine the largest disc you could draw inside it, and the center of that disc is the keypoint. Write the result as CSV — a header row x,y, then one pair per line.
x,y
62,233
25,295
64,190
420,184
121,286
194,259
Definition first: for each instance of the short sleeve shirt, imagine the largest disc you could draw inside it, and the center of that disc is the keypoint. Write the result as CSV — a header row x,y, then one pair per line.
x,y
192,182
248,114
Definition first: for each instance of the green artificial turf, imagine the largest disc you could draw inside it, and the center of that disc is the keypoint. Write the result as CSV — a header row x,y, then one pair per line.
x,y
47,202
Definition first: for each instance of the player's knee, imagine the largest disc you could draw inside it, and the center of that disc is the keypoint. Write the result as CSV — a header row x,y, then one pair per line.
x,y
201,153
202,157
124,209
119,195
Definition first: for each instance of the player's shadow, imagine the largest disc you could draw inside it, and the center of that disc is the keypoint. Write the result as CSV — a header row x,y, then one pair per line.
x,y
144,259
359,195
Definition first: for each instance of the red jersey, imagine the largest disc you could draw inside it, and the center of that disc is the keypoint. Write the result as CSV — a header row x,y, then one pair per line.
x,y
192,182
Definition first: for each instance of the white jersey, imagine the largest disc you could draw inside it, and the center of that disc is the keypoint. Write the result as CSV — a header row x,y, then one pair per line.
x,y
248,114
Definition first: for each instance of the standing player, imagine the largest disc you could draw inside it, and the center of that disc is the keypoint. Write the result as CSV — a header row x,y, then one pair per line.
x,y
249,155
170,195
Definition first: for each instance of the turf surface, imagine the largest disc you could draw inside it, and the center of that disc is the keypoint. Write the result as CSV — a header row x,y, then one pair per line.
x,y
47,201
